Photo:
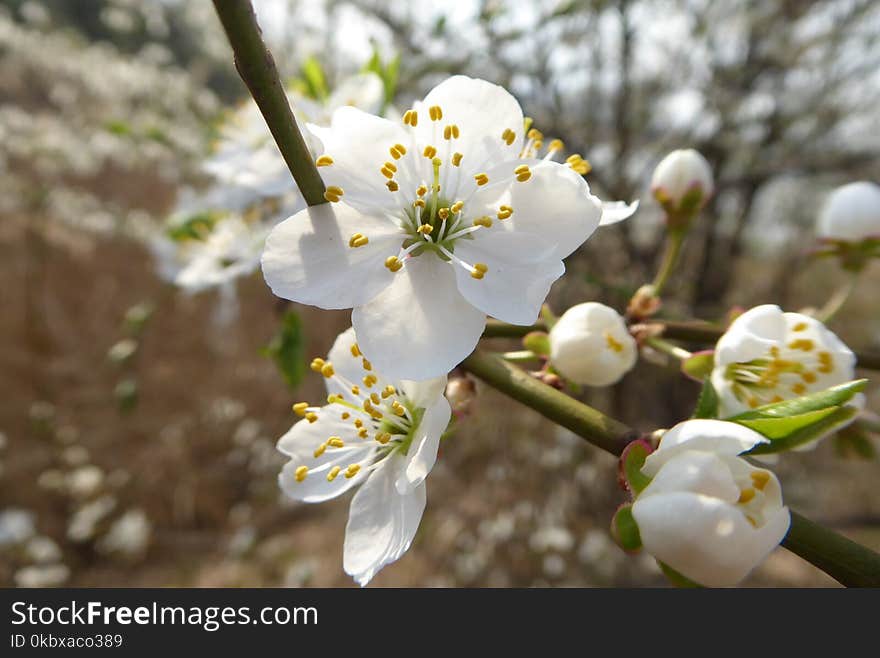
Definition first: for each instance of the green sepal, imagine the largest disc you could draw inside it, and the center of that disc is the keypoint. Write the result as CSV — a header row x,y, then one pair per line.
x,y
537,342
630,467
822,423
625,530
707,403
699,365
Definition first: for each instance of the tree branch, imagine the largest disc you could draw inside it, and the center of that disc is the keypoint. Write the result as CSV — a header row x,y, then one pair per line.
x,y
257,68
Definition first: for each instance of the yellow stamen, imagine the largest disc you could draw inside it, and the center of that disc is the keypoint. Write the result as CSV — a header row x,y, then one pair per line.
x,y
324,161
534,133
425,229
358,240
798,389
301,472
333,473
504,212
388,391
355,390
760,479
333,193
311,416
352,470
435,113
508,136
613,343
355,350
456,207
316,364
358,423
300,408
800,326
335,442
369,380
481,179
393,263
374,397
483,221
804,344
366,364
411,118
419,203
421,190
429,151
479,270
746,495
362,433
392,186
327,370
345,415
456,159
555,145
320,450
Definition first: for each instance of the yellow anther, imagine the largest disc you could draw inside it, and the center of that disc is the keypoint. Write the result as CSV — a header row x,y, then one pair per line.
x,y
397,408
311,416
333,398
300,408
400,148
479,270
826,362
366,364
355,350
327,370
383,437
753,402
374,397
613,343
804,344
435,113
391,166
352,470
456,158
392,186
369,380
527,123
456,207
355,390
809,377
581,166
358,240
776,398
798,389
429,151
508,136
524,176
774,352
555,145
388,391
301,472
411,118
335,442
393,263
425,229
481,179
333,473
800,326
320,450
760,479
483,221
316,364
534,133
421,190
345,415
521,169
538,144
443,213
419,203
362,433
395,153
324,161
451,132
386,172
504,212
333,193
358,423
746,495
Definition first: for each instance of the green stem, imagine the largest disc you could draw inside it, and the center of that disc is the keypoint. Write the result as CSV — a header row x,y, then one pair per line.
x,y
257,68
520,356
849,563
674,240
666,347
498,329
838,299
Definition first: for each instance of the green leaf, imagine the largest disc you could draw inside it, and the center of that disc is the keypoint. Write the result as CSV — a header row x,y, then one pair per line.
x,y
287,349
699,365
631,462
831,397
779,428
313,75
625,530
707,403
829,423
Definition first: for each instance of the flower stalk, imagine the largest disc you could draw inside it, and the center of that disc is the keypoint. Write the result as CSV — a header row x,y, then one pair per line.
x,y
256,67
838,299
671,252
851,564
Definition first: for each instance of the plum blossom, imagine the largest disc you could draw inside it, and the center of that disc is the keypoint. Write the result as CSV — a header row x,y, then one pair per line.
x,y
683,178
591,345
374,432
435,223
707,512
851,213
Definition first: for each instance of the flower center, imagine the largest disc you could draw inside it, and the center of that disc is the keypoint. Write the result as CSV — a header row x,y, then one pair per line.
x,y
375,416
786,371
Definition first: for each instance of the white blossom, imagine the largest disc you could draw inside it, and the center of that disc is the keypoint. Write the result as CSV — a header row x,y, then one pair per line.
x,y
681,175
851,213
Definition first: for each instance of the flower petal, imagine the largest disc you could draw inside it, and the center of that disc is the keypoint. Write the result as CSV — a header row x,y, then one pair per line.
x,y
425,393
350,368
363,90
300,442
716,436
554,204
420,326
751,335
521,269
307,258
698,472
381,522
482,111
705,539
617,211
423,449
358,143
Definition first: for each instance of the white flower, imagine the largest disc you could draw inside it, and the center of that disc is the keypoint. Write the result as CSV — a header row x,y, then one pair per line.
x,y
683,175
377,433
708,513
442,223
851,213
768,356
591,345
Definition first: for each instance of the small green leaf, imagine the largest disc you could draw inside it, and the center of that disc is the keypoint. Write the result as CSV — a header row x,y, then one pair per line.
x,y
631,462
194,227
829,423
537,342
287,349
707,403
625,530
699,365
779,428
313,75
676,578
831,397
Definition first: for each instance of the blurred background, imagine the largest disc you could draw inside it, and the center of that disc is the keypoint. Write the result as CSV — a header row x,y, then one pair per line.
x,y
138,421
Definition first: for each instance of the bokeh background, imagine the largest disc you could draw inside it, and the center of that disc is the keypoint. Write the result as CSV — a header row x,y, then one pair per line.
x,y
138,423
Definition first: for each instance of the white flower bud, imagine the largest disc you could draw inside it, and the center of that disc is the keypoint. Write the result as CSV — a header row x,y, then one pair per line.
x,y
591,345
707,512
851,213
682,182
